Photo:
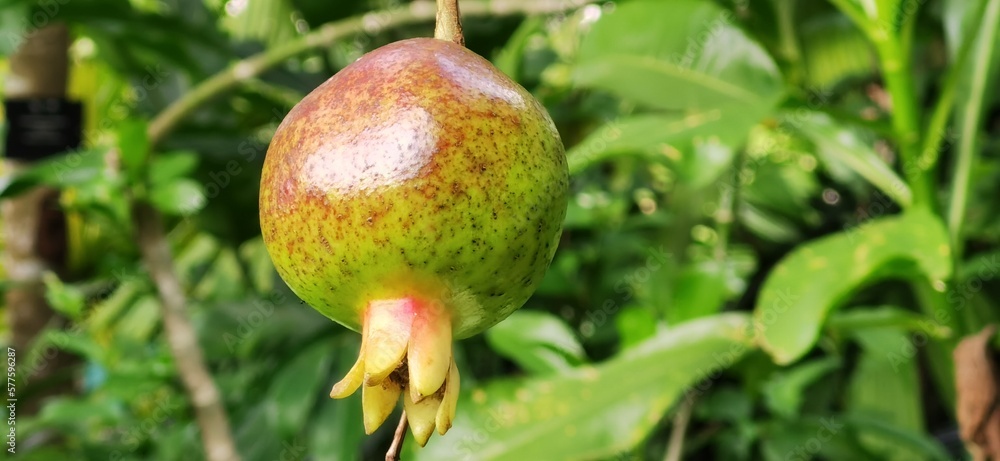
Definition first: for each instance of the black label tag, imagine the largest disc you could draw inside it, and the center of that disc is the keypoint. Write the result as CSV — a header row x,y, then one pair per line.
x,y
43,127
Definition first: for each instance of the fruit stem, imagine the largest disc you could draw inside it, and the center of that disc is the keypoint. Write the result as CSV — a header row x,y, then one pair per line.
x,y
449,22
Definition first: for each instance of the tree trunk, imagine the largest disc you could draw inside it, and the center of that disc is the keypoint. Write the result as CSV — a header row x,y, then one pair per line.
x,y
34,228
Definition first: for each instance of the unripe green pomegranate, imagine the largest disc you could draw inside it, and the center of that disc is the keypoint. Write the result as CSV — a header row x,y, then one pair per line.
x,y
417,197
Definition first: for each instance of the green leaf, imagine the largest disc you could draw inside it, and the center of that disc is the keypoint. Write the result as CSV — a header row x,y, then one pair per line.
x,y
14,24
635,324
664,84
180,197
260,269
255,421
982,266
974,86
834,51
65,299
839,144
807,438
698,62
696,145
591,412
784,392
802,289
169,166
133,144
785,189
915,442
268,21
108,309
68,341
685,56
136,41
223,279
296,387
725,404
538,342
735,443
198,252
700,290
141,320
885,386
881,20
767,224
337,432
857,320
78,413
510,57
69,169
677,55
562,277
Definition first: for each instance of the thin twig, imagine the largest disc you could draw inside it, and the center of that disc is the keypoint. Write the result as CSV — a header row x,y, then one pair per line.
x,y
397,439
676,448
250,67
183,340
449,22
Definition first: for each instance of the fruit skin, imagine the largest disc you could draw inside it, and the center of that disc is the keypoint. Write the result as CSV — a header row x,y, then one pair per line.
x,y
417,171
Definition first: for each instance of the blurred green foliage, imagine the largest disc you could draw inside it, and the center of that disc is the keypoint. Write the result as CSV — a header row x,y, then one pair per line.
x,y
758,238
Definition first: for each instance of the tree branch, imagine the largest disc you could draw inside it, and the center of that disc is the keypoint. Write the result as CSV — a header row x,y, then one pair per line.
x,y
416,12
182,338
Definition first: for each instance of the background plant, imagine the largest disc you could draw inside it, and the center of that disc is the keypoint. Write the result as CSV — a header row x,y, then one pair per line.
x,y
784,218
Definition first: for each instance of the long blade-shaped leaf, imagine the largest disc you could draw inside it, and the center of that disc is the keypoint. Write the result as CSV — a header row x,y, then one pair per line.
x,y
694,145
845,146
591,412
970,117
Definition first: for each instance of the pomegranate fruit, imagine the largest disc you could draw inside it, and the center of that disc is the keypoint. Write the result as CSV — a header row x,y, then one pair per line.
x,y
417,197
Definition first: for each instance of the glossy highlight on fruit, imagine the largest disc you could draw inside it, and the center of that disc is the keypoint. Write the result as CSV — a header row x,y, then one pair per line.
x,y
416,197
